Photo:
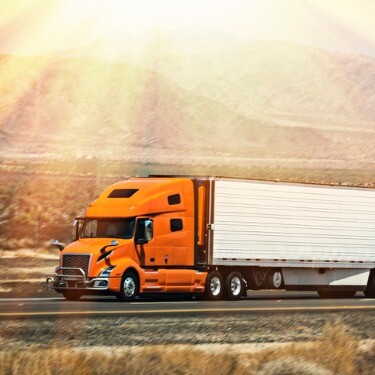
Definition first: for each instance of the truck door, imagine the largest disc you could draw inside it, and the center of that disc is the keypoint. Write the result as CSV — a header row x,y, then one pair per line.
x,y
152,245
144,236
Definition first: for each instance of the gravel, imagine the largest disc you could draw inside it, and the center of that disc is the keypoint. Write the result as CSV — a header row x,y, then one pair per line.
x,y
182,329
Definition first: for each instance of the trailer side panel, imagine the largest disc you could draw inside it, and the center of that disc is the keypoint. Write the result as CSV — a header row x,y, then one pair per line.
x,y
313,226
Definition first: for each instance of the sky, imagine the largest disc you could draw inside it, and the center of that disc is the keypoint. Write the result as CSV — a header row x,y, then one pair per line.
x,y
29,27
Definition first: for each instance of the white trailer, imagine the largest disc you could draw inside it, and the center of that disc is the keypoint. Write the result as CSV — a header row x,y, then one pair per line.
x,y
293,236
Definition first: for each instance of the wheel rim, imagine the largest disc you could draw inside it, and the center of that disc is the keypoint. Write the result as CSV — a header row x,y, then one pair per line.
x,y
129,287
215,286
235,286
277,279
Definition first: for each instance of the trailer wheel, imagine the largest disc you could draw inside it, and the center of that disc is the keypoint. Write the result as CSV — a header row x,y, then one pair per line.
x,y
72,295
275,279
336,294
234,286
370,289
214,286
129,287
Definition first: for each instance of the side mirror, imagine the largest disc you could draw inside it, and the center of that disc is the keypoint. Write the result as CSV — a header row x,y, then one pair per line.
x,y
144,232
77,227
75,230
59,245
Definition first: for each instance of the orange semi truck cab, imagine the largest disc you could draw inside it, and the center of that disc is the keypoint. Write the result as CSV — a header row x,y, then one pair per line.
x,y
141,235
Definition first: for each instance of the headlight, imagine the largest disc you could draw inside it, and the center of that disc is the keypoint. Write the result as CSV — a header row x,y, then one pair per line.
x,y
106,271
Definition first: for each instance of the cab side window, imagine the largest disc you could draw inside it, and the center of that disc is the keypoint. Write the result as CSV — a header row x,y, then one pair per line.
x,y
176,225
174,199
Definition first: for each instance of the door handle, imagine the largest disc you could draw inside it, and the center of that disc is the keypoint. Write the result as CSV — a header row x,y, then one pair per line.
x,y
166,258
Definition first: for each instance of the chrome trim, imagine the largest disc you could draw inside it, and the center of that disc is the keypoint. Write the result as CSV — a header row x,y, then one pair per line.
x,y
60,281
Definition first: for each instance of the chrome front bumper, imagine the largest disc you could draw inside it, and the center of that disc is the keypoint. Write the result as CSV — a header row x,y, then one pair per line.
x,y
75,282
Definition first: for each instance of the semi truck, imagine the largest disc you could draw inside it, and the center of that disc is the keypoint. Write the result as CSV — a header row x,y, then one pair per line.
x,y
219,238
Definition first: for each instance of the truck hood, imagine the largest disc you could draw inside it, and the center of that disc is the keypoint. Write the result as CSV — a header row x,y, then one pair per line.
x,y
92,245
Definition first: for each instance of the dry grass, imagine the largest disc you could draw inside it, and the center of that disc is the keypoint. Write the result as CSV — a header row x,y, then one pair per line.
x,y
335,353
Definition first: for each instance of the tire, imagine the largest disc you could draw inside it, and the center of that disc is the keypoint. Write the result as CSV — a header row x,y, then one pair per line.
x,y
72,295
337,294
234,286
275,279
129,288
370,290
214,286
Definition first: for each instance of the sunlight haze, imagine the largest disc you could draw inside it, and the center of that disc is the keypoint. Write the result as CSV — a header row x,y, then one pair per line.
x,y
39,26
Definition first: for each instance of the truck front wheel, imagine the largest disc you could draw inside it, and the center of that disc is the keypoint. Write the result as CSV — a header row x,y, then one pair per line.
x,y
129,287
234,286
214,286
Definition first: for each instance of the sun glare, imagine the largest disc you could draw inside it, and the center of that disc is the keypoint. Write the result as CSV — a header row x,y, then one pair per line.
x,y
30,27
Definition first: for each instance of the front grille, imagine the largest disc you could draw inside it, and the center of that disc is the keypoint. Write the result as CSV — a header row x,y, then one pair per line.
x,y
76,261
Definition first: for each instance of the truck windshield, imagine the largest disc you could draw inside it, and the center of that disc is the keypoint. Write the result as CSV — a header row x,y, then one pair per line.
x,y
108,228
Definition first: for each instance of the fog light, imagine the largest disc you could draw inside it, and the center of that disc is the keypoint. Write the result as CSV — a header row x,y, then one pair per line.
x,y
100,283
106,271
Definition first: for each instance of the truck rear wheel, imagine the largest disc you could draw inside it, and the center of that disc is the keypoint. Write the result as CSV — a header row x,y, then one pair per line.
x,y
234,286
72,295
214,286
129,287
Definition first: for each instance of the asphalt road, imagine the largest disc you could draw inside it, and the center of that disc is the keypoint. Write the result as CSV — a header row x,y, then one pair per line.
x,y
108,306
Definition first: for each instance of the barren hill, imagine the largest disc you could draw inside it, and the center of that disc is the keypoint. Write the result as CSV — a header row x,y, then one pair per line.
x,y
270,102
277,77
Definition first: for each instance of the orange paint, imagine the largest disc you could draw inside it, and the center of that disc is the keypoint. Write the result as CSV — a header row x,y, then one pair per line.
x,y
165,263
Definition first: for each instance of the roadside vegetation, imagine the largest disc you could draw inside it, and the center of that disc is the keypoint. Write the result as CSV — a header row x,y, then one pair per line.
x,y
335,352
